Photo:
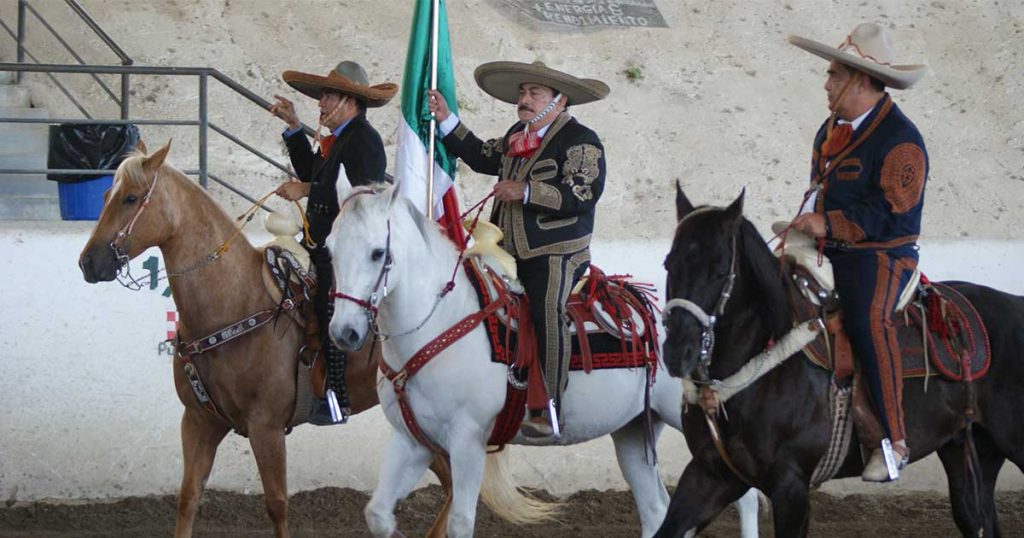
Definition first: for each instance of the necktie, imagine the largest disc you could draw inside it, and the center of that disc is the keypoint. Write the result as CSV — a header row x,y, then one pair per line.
x,y
325,145
838,139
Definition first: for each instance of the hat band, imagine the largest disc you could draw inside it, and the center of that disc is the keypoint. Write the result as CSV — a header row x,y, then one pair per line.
x,y
850,45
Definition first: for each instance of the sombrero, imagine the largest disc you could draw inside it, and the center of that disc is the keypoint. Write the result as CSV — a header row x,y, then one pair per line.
x,y
501,80
348,78
869,48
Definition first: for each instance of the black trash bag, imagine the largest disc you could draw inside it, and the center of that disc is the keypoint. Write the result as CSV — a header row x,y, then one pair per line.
x,y
88,147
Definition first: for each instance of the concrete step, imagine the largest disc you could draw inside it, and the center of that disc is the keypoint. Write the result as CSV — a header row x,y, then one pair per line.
x,y
24,138
7,77
29,207
15,96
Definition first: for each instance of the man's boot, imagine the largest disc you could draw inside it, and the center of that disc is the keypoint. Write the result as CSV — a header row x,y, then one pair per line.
x,y
541,423
878,469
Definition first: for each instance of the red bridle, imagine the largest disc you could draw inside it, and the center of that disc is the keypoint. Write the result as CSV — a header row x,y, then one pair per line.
x,y
377,294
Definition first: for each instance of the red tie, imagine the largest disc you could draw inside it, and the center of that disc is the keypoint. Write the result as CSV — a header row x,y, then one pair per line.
x,y
325,145
838,139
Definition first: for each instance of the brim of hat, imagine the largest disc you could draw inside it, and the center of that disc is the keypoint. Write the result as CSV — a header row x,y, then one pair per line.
x,y
900,77
314,86
501,80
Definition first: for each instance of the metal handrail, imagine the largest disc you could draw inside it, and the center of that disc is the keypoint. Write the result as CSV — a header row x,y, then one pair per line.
x,y
71,50
23,51
125,70
80,11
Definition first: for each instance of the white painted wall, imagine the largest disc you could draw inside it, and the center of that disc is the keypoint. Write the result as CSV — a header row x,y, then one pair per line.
x,y
88,408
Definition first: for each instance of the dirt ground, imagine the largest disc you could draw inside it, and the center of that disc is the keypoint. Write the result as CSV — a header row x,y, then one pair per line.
x,y
338,512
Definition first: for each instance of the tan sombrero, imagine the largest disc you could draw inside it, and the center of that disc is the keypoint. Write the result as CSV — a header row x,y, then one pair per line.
x,y
501,80
348,78
868,48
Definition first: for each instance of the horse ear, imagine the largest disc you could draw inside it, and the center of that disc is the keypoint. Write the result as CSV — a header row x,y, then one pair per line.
x,y
343,185
140,146
735,210
157,159
683,205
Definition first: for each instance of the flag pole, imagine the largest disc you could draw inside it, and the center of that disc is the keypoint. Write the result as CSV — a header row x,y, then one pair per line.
x,y
435,8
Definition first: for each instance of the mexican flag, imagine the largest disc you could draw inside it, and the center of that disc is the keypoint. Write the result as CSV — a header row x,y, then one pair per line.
x,y
414,130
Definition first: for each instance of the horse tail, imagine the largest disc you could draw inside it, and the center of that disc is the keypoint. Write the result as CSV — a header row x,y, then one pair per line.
x,y
506,499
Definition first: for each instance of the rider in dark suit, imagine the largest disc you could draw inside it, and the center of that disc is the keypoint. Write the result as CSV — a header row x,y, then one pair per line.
x,y
551,172
868,177
344,95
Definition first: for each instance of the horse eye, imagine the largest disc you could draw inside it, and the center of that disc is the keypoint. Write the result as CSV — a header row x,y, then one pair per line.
x,y
377,254
131,199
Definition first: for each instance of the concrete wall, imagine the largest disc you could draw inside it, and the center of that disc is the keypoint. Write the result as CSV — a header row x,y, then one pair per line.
x,y
88,408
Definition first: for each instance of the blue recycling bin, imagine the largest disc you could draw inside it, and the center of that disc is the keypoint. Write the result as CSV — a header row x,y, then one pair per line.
x,y
86,146
83,200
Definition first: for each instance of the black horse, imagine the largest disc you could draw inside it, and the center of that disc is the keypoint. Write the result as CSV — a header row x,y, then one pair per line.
x,y
779,428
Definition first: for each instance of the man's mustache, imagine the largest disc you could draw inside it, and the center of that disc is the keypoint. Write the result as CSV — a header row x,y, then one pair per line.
x,y
525,108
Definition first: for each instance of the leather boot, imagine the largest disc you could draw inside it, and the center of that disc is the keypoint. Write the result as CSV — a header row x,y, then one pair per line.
x,y
877,471
537,426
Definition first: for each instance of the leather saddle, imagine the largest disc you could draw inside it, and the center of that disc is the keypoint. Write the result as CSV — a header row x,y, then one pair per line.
x,y
939,331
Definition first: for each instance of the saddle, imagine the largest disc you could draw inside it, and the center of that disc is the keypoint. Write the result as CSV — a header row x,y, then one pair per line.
x,y
613,327
939,331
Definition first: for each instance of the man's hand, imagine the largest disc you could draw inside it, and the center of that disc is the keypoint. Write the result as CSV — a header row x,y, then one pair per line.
x,y
510,191
293,190
812,224
285,110
438,105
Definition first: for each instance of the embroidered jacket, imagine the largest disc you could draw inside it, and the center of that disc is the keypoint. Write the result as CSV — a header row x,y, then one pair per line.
x,y
872,191
566,178
359,148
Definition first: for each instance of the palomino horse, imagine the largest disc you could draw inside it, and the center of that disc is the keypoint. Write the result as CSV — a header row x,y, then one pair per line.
x,y
252,379
778,427
391,253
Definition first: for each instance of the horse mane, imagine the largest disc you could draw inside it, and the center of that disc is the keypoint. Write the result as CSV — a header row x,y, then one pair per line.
x,y
431,235
132,173
767,276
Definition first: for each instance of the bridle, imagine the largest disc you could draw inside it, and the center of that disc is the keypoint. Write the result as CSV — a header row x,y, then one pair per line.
x,y
707,321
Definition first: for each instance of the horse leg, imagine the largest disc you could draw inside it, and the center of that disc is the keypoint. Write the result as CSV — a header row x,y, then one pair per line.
x,y
200,436
443,470
703,491
791,506
636,462
974,511
269,449
405,461
468,457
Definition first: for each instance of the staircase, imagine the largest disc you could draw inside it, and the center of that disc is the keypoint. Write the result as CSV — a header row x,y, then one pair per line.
x,y
24,146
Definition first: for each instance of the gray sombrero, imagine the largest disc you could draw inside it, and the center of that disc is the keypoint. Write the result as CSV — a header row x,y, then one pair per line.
x,y
348,78
501,80
868,48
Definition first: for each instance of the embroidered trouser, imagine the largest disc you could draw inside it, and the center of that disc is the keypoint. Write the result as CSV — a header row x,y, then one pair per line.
x,y
336,359
869,285
548,281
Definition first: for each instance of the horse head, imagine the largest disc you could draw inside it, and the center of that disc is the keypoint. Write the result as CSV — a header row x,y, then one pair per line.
x,y
364,249
722,283
700,275
133,216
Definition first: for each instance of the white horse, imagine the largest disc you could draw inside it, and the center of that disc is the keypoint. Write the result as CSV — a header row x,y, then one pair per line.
x,y
383,246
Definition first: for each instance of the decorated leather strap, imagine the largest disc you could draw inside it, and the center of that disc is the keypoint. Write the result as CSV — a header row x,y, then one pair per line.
x,y
421,358
710,416
239,328
199,390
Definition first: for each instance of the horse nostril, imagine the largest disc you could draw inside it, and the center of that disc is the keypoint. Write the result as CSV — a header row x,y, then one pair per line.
x,y
350,336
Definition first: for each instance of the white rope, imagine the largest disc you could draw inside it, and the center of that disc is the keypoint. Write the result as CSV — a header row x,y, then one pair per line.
x,y
795,340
